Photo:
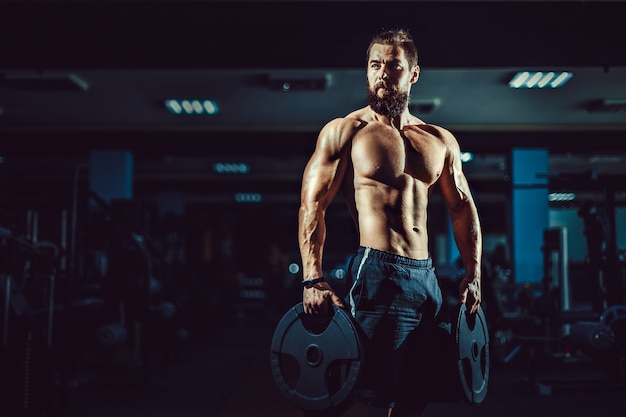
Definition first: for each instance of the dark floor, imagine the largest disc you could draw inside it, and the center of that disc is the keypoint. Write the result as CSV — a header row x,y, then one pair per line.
x,y
228,375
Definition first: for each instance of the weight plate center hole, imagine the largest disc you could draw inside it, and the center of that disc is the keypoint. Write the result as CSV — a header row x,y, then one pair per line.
x,y
313,355
475,351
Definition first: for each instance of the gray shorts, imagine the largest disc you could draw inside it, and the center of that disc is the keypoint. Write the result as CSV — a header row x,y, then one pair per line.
x,y
395,301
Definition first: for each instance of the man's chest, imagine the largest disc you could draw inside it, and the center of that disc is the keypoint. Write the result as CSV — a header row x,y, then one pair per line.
x,y
386,155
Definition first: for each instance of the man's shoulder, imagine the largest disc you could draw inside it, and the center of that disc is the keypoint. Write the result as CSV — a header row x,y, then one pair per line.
x,y
345,125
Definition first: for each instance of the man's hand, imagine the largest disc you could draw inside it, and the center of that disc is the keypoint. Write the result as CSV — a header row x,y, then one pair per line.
x,y
469,293
315,299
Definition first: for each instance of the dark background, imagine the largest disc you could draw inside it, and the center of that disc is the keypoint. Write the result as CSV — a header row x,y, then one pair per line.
x,y
107,294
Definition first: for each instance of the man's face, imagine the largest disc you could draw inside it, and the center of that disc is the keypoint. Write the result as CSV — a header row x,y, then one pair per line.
x,y
389,80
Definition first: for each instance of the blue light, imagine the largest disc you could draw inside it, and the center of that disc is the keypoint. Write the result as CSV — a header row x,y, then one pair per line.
x,y
466,156
248,197
231,167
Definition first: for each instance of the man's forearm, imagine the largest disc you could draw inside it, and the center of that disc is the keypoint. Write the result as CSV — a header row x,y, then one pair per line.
x,y
468,236
311,237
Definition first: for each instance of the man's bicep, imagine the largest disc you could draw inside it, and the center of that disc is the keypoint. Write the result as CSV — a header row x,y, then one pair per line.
x,y
325,169
320,179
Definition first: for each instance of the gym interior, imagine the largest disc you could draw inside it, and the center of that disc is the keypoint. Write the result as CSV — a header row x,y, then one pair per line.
x,y
151,156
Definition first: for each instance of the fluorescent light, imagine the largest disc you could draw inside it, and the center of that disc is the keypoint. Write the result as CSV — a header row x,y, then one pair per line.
x,y
173,106
197,107
561,197
248,197
231,167
539,79
561,79
545,79
534,79
210,106
191,106
187,106
519,79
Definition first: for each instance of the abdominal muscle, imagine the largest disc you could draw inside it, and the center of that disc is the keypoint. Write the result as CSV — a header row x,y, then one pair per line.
x,y
391,219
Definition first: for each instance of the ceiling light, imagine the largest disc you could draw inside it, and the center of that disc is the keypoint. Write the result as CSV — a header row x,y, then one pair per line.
x,y
248,197
191,106
557,197
540,79
231,168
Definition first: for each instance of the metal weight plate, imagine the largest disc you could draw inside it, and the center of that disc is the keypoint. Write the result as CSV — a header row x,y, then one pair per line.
x,y
316,360
472,349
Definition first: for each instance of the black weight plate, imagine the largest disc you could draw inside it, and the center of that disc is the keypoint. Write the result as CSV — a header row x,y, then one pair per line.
x,y
316,360
472,349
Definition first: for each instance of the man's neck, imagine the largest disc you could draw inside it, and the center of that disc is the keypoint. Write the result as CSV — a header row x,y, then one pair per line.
x,y
398,122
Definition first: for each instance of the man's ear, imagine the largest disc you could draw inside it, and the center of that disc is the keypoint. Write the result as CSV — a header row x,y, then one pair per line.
x,y
415,75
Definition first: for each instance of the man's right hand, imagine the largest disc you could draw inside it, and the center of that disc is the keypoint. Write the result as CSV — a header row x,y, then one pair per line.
x,y
317,298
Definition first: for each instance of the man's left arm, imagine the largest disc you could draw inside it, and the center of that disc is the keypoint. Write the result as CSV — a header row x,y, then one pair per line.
x,y
465,223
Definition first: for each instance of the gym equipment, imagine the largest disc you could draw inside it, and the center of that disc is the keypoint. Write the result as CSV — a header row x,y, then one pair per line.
x,y
472,350
596,336
111,334
591,335
316,360
613,313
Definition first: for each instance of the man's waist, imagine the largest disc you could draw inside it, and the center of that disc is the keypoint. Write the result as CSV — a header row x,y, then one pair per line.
x,y
396,258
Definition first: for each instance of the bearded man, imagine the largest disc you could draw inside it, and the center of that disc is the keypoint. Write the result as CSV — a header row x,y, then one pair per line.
x,y
385,162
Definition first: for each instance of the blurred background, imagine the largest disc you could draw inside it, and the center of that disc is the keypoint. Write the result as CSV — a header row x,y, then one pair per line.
x,y
151,155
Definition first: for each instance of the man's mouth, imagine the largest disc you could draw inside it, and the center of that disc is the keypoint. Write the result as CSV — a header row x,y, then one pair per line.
x,y
381,90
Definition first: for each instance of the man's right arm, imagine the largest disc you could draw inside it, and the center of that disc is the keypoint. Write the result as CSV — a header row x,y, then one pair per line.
x,y
465,222
321,181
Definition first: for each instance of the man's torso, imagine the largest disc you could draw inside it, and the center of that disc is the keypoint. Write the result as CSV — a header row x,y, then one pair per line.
x,y
392,172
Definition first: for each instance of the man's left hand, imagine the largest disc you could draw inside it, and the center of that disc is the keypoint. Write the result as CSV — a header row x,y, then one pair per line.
x,y
469,291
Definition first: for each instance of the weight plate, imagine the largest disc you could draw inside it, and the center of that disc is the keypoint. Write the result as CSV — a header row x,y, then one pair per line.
x,y
472,349
316,360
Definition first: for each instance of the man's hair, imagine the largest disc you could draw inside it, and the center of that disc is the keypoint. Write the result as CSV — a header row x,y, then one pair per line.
x,y
396,37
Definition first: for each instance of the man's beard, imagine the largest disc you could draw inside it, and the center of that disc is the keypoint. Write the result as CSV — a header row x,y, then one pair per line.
x,y
390,105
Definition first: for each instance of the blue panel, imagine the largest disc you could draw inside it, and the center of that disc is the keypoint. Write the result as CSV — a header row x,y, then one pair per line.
x,y
530,212
529,167
111,174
